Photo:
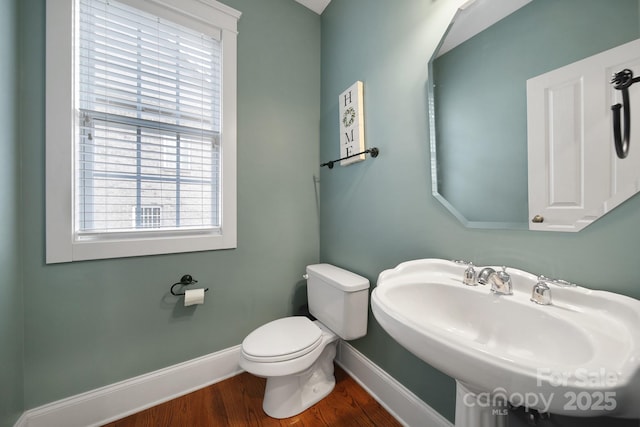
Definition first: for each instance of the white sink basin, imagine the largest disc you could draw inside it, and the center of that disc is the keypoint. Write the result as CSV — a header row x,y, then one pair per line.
x,y
579,356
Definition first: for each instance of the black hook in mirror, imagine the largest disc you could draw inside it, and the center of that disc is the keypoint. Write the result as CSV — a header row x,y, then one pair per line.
x,y
622,81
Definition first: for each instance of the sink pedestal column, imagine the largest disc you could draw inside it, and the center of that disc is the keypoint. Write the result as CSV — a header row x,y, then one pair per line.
x,y
480,409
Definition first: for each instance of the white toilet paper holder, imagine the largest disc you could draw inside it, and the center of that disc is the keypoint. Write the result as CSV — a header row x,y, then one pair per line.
x,y
185,280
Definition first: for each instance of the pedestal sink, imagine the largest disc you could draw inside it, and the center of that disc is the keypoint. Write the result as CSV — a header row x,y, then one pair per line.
x,y
578,356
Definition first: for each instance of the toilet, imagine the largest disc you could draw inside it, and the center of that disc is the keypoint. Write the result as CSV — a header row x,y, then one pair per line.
x,y
295,354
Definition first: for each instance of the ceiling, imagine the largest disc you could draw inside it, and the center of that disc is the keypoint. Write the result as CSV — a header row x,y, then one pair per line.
x,y
316,5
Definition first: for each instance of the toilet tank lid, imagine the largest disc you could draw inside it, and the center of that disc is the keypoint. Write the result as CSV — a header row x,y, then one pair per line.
x,y
338,277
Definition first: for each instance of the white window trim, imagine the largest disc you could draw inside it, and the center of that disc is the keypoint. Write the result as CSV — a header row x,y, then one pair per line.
x,y
61,244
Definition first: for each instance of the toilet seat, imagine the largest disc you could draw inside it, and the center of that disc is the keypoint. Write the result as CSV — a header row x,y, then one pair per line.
x,y
282,339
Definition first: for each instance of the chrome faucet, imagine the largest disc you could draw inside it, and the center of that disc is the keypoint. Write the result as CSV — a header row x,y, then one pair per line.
x,y
485,274
500,281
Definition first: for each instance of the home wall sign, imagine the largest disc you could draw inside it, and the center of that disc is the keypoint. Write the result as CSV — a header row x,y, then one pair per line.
x,y
352,124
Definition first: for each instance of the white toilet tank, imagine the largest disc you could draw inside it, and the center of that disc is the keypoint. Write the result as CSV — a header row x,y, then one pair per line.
x,y
339,299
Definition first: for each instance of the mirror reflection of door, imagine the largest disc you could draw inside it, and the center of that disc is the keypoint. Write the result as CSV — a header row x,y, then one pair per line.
x,y
478,98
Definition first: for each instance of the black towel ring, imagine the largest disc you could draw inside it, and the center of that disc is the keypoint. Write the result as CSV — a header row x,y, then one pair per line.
x,y
185,280
622,81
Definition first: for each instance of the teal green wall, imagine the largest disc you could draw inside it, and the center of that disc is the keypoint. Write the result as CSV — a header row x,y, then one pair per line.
x,y
89,324
380,212
93,323
11,309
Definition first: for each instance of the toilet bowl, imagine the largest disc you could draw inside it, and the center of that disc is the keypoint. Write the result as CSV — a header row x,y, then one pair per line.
x,y
299,370
295,354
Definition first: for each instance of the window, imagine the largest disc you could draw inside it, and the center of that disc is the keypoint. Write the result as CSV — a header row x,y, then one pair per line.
x,y
147,217
149,104
140,128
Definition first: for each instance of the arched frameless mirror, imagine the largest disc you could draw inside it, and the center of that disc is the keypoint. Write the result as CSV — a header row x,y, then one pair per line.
x,y
478,99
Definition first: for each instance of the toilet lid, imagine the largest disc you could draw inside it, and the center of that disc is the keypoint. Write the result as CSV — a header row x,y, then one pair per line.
x,y
282,339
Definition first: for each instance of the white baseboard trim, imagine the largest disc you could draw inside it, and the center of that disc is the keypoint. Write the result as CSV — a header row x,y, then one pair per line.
x,y
106,404
115,401
405,406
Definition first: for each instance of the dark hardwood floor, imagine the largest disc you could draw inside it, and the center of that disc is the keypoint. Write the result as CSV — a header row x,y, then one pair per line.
x,y
237,401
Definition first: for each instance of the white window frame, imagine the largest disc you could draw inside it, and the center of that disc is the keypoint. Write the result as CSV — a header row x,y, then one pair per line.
x,y
62,245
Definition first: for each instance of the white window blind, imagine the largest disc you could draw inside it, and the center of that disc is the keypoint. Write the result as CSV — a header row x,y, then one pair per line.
x,y
148,123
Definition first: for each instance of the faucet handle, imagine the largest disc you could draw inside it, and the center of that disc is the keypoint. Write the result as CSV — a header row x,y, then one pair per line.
x,y
504,276
541,294
502,282
469,278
